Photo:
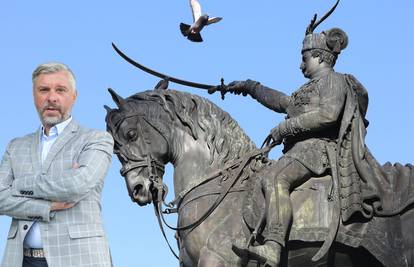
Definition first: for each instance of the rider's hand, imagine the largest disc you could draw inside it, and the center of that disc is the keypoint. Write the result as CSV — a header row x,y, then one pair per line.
x,y
241,87
276,135
236,87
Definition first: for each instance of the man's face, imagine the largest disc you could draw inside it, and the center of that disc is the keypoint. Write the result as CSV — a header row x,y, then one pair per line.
x,y
54,97
309,64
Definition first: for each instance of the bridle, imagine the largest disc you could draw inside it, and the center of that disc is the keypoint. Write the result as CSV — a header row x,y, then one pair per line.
x,y
131,161
155,171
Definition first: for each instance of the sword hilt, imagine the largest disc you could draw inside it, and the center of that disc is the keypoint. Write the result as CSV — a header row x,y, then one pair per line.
x,y
222,88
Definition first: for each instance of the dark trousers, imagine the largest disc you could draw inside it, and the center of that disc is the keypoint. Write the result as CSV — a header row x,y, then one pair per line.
x,y
34,262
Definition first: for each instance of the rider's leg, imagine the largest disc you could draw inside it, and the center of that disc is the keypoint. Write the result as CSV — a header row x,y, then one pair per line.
x,y
288,173
277,181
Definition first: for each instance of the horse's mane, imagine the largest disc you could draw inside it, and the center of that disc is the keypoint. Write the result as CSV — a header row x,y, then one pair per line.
x,y
201,119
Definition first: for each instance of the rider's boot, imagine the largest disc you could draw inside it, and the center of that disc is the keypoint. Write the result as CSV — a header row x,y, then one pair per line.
x,y
268,253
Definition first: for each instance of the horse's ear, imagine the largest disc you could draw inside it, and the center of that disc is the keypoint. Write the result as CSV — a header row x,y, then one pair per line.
x,y
108,109
119,101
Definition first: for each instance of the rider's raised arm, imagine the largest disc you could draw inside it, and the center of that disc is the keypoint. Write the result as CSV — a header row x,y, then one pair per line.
x,y
270,98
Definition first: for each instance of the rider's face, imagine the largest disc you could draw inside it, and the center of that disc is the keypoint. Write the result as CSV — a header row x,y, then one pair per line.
x,y
310,65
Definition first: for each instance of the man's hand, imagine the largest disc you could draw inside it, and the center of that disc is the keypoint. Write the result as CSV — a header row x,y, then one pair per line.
x,y
56,206
236,87
276,135
274,138
241,87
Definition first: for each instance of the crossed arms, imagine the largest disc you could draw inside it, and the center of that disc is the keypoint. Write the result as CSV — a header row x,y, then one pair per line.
x,y
48,193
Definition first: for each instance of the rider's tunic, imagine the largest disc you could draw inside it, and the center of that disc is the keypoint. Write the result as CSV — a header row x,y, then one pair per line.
x,y
321,113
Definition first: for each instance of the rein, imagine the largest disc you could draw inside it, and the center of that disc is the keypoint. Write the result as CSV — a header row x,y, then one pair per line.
x,y
240,164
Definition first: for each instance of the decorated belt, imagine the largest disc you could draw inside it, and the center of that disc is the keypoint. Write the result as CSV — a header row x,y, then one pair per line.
x,y
33,252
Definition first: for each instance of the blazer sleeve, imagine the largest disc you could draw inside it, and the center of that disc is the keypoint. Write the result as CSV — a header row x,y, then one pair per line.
x,y
73,184
19,207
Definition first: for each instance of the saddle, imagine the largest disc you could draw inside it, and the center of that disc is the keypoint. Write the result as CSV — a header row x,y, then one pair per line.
x,y
312,213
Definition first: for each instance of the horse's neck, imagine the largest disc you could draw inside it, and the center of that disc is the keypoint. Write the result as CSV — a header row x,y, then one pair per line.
x,y
191,160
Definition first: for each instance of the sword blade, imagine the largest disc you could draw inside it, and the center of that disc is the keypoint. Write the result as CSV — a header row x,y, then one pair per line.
x,y
161,75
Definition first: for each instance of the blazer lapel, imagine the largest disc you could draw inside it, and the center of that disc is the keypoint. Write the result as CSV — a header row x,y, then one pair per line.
x,y
67,134
35,151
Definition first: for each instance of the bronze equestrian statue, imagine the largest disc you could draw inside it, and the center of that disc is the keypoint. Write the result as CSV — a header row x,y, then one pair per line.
x,y
237,208
217,176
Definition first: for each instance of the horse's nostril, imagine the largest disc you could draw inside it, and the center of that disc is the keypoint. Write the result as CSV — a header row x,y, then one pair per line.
x,y
137,189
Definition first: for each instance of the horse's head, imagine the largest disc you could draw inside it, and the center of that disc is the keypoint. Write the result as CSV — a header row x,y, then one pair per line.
x,y
153,128
140,144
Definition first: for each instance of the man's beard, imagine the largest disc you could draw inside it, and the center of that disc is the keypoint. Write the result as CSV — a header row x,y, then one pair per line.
x,y
51,121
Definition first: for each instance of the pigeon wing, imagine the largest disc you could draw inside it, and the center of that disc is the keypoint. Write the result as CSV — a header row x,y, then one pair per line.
x,y
213,20
184,28
196,9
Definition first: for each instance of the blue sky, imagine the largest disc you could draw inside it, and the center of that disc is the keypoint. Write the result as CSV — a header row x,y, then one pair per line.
x,y
259,40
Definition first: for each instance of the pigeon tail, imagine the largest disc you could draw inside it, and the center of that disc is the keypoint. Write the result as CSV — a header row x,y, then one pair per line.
x,y
195,37
185,29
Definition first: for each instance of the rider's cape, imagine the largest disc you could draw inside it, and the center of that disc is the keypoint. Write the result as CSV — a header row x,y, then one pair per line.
x,y
370,190
366,187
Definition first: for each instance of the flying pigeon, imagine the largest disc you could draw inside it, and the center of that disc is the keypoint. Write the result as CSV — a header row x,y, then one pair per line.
x,y
192,32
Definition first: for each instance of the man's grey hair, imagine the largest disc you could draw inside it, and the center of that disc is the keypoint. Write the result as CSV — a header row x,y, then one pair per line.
x,y
53,67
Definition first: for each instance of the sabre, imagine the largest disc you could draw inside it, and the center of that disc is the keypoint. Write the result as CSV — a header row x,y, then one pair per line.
x,y
210,88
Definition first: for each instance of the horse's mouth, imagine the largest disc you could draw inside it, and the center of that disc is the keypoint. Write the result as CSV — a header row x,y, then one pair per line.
x,y
139,187
141,194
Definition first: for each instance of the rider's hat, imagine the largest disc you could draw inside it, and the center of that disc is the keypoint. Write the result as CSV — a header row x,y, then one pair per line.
x,y
332,41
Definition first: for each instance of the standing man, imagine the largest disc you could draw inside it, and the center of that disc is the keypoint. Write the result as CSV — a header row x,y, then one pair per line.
x,y
51,182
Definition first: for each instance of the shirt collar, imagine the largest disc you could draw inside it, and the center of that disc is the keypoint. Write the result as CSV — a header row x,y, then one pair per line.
x,y
55,130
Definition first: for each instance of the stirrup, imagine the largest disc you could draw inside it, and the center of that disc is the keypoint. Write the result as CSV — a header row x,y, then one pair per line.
x,y
246,253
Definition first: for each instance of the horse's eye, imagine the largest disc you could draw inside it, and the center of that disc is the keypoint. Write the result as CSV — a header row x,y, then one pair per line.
x,y
131,134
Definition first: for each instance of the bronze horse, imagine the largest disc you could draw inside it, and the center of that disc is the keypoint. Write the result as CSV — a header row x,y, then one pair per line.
x,y
206,147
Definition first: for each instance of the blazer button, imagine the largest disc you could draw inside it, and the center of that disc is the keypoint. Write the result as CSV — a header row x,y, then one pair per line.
x,y
25,227
22,192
